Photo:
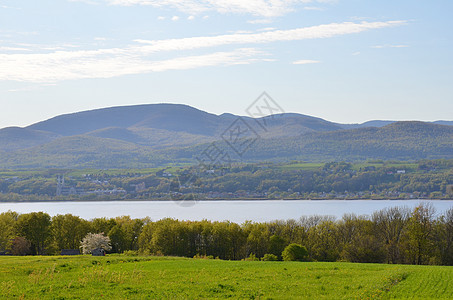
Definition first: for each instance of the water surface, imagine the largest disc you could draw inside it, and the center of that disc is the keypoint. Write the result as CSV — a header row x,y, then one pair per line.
x,y
236,211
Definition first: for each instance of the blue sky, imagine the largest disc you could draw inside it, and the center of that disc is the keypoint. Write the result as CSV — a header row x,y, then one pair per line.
x,y
342,60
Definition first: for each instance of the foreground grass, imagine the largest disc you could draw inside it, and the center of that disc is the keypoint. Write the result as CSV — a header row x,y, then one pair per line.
x,y
123,277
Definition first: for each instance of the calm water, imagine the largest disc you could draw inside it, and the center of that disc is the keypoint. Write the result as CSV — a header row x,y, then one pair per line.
x,y
236,211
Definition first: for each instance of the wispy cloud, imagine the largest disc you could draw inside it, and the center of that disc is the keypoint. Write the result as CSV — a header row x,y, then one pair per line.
x,y
305,62
138,58
109,63
14,49
265,8
314,32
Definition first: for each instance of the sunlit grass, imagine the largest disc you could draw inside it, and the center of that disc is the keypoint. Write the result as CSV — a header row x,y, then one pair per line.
x,y
163,277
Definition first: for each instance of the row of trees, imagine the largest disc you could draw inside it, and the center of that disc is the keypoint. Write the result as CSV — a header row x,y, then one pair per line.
x,y
393,235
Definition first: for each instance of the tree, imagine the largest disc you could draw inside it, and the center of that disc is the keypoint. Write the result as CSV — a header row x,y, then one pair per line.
x,y
68,231
295,252
20,246
94,241
277,245
7,224
444,238
124,235
390,224
323,241
419,238
35,227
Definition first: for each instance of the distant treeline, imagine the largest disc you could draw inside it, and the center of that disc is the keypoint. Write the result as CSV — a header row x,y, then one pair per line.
x,y
428,179
393,235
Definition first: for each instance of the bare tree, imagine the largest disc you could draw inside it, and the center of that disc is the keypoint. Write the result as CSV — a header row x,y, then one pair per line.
x,y
389,226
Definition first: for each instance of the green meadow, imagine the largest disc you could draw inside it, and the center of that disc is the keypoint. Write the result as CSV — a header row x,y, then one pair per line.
x,y
136,277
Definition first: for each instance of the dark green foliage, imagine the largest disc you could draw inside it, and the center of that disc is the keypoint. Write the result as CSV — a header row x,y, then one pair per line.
x,y
295,252
269,257
35,227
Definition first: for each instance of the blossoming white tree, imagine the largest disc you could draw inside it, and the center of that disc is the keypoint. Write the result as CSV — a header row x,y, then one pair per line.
x,y
94,241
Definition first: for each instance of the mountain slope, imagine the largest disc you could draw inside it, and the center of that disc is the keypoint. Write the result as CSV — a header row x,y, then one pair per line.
x,y
82,152
400,140
15,138
162,116
155,134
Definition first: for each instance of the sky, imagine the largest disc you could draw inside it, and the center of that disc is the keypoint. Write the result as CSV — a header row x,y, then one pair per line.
x,y
345,61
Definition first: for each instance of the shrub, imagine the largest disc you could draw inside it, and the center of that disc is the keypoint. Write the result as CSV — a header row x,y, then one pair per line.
x,y
295,252
269,257
252,257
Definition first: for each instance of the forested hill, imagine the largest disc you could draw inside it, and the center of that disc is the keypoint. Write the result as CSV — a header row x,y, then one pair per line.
x,y
157,134
398,141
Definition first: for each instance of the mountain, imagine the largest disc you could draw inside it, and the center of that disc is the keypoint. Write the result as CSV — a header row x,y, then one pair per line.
x,y
173,117
396,141
15,138
374,123
156,134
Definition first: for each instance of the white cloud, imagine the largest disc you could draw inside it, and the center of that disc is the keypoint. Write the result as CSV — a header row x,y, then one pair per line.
x,y
175,18
305,62
13,49
190,18
314,32
267,29
108,63
138,58
264,8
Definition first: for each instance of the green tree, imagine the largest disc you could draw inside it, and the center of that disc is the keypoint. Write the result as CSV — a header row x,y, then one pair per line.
x,y
35,227
7,229
68,231
323,241
295,252
276,245
419,239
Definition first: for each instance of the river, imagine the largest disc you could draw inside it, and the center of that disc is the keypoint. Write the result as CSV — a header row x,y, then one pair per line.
x,y
236,211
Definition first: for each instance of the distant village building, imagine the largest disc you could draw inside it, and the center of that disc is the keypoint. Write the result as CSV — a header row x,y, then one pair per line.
x,y
70,252
450,189
140,187
63,190
401,172
98,252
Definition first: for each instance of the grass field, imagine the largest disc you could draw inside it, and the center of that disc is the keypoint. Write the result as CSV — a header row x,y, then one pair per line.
x,y
126,277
